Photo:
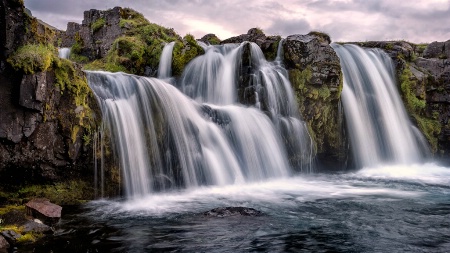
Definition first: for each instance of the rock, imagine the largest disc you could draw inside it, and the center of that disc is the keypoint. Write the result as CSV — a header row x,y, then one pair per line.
x,y
14,217
439,50
315,74
38,227
33,91
211,39
4,245
42,209
232,211
10,236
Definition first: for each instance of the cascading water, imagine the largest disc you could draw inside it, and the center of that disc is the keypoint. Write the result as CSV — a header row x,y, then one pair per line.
x,y
64,52
165,64
379,127
166,140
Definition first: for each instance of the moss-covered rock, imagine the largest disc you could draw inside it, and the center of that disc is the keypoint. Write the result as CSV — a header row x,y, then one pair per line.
x,y
315,74
32,58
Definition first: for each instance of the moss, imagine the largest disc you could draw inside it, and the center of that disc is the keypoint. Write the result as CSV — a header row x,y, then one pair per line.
x,y
271,52
77,47
9,208
28,237
389,46
78,58
128,52
99,23
33,58
214,40
413,103
431,128
324,92
61,193
300,78
323,37
184,52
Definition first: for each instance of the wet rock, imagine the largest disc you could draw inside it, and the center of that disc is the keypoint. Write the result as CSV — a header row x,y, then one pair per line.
x,y
14,217
4,245
232,211
38,227
42,209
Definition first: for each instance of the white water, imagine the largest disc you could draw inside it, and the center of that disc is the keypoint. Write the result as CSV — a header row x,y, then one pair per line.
x,y
165,140
165,63
379,127
64,52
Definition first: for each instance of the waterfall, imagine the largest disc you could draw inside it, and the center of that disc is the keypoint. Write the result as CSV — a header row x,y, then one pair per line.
x,y
379,128
165,63
197,134
64,52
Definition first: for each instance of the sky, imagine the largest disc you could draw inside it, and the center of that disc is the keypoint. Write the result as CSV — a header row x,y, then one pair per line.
x,y
417,21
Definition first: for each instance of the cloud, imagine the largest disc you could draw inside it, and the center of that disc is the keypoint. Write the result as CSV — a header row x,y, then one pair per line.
x,y
344,20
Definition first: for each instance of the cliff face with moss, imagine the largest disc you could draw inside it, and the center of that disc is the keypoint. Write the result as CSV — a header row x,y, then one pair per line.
x,y
423,73
47,109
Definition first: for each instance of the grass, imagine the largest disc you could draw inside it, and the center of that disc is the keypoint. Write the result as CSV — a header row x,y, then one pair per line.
x,y
33,58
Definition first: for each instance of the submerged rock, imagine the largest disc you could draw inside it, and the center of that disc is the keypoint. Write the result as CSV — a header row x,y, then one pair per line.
x,y
232,211
42,209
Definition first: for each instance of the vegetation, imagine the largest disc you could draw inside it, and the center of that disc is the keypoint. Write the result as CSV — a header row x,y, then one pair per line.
x,y
415,105
323,37
32,58
184,52
99,23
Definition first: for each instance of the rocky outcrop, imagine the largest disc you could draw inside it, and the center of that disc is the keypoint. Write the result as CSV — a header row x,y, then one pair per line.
x,y
210,39
95,36
315,74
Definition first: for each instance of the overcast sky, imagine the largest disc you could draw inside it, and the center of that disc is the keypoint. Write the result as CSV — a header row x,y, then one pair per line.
x,y
345,20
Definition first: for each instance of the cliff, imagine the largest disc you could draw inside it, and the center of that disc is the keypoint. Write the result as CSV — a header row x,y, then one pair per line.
x,y
47,111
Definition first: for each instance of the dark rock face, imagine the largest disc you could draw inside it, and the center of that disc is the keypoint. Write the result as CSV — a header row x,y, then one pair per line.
x,y
43,210
32,226
440,50
232,211
315,74
38,143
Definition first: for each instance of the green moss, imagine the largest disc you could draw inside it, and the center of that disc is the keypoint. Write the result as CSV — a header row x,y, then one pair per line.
x,y
33,58
99,23
431,128
300,78
61,193
9,208
77,47
324,92
413,103
78,58
184,52
389,46
214,40
271,52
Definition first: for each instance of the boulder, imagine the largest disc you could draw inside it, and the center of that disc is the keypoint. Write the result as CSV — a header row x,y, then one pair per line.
x,y
42,209
232,211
